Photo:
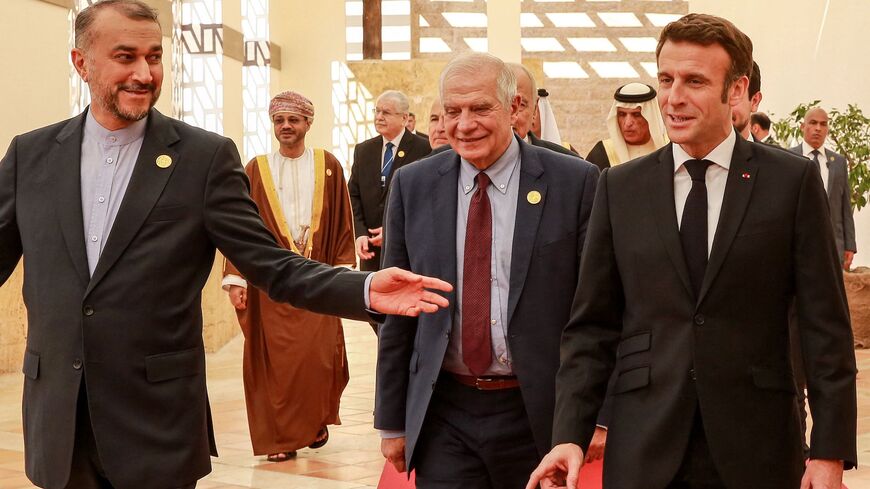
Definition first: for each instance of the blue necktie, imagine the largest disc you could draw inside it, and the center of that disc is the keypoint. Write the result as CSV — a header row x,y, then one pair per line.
x,y
388,164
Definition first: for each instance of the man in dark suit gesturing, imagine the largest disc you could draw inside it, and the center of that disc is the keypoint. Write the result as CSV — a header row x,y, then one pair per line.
x,y
117,213
466,395
374,162
693,256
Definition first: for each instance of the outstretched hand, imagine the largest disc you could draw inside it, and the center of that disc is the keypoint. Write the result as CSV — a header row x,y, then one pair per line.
x,y
559,468
400,292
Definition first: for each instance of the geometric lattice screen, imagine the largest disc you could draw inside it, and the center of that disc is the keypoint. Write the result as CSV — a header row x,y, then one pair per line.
x,y
395,29
353,113
255,79
202,64
575,39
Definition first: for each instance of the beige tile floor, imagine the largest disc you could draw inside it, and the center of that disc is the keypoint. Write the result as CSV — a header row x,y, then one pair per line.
x,y
351,459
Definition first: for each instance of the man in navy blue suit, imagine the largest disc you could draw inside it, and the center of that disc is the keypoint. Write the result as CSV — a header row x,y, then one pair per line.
x,y
466,395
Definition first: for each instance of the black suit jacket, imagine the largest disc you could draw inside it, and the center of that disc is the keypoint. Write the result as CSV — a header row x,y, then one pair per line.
x,y
547,243
367,196
725,353
134,329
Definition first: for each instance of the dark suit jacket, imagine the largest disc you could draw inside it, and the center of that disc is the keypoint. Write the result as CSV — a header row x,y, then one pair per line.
x,y
367,196
840,201
547,243
726,353
543,143
134,329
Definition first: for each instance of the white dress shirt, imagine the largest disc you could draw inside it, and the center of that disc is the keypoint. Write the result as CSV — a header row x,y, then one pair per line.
x,y
716,177
807,151
396,140
294,184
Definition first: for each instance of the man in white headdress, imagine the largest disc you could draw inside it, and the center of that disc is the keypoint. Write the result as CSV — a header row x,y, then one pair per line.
x,y
635,126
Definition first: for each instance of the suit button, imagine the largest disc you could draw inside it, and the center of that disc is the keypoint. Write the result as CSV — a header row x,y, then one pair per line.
x,y
88,311
699,319
77,364
692,374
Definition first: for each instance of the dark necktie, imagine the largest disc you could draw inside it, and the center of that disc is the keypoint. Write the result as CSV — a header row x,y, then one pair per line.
x,y
693,226
388,164
476,343
816,154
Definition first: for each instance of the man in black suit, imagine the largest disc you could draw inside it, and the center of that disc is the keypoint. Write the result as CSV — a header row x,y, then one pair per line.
x,y
374,161
117,213
528,111
759,124
466,395
705,396
741,113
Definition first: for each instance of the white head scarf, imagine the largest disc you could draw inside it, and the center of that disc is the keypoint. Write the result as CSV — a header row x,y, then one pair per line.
x,y
632,96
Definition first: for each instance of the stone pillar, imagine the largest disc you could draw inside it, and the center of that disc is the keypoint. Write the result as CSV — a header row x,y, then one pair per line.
x,y
219,323
503,29
311,37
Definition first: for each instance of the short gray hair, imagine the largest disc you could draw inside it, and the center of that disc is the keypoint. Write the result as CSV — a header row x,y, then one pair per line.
x,y
519,67
132,9
400,99
472,64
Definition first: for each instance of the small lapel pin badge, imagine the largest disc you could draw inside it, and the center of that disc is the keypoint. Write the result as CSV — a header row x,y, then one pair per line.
x,y
163,161
401,154
746,176
534,197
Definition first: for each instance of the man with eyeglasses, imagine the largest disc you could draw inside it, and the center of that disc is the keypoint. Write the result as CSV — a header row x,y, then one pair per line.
x,y
374,162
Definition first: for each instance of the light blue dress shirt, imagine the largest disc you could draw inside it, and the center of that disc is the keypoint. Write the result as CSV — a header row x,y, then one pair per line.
x,y
502,192
107,161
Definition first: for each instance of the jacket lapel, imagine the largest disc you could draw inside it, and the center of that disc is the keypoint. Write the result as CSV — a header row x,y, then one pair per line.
x,y
443,220
527,221
661,194
738,189
146,185
66,155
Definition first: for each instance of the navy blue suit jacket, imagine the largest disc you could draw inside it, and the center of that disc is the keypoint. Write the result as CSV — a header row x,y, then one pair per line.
x,y
420,235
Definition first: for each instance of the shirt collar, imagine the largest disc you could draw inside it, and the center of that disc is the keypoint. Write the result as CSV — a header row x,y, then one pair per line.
x,y
121,137
721,155
396,140
499,173
807,150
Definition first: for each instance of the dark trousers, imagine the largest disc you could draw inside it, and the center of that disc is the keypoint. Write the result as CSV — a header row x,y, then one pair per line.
x,y
86,471
697,470
474,439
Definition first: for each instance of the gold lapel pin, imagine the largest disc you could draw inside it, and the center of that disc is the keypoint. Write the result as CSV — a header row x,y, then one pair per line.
x,y
401,154
163,161
534,197
329,172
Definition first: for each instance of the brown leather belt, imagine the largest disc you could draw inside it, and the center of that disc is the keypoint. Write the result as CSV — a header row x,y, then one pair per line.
x,y
494,383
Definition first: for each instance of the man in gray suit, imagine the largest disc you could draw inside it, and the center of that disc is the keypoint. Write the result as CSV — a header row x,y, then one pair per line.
x,y
835,177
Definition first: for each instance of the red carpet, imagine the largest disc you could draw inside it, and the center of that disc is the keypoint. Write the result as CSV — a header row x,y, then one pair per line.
x,y
590,477
390,479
